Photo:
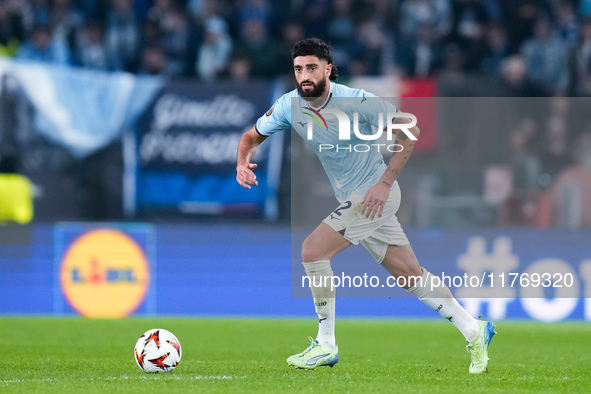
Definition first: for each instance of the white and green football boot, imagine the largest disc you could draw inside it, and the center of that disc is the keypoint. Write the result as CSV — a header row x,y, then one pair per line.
x,y
478,348
314,356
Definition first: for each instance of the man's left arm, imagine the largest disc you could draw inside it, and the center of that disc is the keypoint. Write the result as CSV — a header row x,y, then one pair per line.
x,y
375,198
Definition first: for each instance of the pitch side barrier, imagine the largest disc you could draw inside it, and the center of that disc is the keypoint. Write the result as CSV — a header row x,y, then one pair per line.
x,y
217,270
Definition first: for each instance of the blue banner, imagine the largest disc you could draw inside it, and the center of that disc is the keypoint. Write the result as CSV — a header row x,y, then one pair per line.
x,y
186,145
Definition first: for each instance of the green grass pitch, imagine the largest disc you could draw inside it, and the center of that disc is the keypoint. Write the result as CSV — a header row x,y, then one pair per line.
x,y
248,355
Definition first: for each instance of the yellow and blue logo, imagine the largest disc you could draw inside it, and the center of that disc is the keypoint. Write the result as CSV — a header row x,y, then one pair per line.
x,y
104,274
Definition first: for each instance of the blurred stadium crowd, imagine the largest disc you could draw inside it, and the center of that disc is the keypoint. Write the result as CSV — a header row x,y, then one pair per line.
x,y
543,47
471,48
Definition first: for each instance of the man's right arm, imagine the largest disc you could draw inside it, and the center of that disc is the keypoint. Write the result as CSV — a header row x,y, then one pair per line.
x,y
247,147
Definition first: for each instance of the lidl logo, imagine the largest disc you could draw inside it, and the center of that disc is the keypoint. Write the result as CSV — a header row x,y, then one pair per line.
x,y
104,274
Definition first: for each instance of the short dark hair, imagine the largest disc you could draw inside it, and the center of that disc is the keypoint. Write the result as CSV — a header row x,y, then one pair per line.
x,y
315,47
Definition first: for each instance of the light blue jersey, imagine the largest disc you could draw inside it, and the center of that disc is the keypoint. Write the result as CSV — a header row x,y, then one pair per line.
x,y
352,165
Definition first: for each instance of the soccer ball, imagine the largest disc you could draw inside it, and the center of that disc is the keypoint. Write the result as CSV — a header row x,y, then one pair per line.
x,y
157,350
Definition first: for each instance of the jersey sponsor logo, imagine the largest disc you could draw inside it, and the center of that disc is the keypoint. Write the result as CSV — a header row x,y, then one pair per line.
x,y
104,274
270,111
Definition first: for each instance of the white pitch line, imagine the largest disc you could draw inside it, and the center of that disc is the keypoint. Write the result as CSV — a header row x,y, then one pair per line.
x,y
6,382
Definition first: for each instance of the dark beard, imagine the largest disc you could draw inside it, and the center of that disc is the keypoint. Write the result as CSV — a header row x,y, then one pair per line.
x,y
316,91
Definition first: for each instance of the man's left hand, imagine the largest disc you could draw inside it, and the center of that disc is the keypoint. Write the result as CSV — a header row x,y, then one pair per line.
x,y
375,199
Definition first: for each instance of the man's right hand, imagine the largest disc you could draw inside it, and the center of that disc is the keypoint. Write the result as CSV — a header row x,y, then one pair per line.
x,y
247,148
245,175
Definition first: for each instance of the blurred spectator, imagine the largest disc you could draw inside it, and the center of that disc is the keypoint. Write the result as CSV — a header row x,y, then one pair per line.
x,y
494,10
452,74
91,49
417,13
521,16
374,50
524,162
151,34
21,10
474,51
546,58
141,7
585,8
560,108
315,18
341,33
179,42
567,25
571,192
161,11
422,56
453,61
94,9
64,22
205,9
468,31
198,8
423,25
469,17
583,61
41,12
254,9
497,49
122,33
514,79
239,69
525,205
11,31
291,33
42,48
385,12
154,61
555,155
261,49
214,53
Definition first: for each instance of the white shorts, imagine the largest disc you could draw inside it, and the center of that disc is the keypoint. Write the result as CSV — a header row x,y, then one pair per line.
x,y
374,234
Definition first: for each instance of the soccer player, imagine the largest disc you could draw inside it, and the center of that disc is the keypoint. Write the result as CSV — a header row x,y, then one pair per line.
x,y
369,195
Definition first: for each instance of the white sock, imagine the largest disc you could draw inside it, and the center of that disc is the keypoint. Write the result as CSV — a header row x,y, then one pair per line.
x,y
320,275
442,301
